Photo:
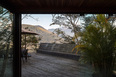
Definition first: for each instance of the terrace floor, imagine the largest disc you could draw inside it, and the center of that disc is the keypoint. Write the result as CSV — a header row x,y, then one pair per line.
x,y
41,65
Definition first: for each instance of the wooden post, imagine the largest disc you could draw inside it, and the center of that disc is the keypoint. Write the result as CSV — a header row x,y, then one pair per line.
x,y
25,41
17,45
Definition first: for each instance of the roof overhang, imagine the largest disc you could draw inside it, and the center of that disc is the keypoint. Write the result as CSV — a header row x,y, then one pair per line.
x,y
60,6
28,32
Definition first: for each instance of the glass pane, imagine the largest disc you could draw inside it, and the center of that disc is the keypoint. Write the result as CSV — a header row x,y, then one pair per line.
x,y
6,44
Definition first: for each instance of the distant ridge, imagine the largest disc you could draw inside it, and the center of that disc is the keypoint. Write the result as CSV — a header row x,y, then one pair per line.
x,y
67,31
40,26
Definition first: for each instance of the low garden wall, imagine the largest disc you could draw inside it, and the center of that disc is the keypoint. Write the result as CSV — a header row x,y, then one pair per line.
x,y
66,48
62,50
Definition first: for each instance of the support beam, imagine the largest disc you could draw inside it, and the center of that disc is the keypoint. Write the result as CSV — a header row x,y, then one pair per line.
x,y
110,15
17,45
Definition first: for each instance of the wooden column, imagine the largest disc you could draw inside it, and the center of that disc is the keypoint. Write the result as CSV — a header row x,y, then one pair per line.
x,y
25,42
17,45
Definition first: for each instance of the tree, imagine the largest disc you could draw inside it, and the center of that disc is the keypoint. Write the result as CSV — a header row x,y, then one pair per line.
x,y
89,18
5,37
70,21
31,40
98,45
62,34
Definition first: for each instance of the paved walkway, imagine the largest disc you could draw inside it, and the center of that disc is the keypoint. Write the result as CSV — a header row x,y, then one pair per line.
x,y
41,65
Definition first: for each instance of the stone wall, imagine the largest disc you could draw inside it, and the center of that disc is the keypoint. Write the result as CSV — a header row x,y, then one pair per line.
x,y
66,48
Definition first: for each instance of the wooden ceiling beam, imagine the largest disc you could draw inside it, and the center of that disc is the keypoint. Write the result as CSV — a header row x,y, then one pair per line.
x,y
60,6
67,10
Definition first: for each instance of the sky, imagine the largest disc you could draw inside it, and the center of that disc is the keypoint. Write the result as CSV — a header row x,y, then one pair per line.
x,y
42,19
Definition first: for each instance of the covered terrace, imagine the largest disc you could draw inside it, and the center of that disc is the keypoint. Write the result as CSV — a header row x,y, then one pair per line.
x,y
18,7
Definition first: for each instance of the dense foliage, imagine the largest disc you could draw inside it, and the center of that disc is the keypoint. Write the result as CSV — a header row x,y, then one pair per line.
x,y
98,45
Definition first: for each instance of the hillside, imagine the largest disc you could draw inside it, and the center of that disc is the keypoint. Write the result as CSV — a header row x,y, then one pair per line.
x,y
67,31
47,36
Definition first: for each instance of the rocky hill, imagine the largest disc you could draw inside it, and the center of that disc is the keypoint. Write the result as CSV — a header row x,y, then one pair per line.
x,y
45,35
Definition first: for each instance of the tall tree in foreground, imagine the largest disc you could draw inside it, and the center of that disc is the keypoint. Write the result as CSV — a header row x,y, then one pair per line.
x,y
5,37
98,45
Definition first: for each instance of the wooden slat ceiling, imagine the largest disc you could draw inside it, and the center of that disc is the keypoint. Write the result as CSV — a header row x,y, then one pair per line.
x,y
60,6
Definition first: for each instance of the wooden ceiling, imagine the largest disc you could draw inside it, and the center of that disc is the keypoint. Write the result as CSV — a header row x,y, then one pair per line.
x,y
60,6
